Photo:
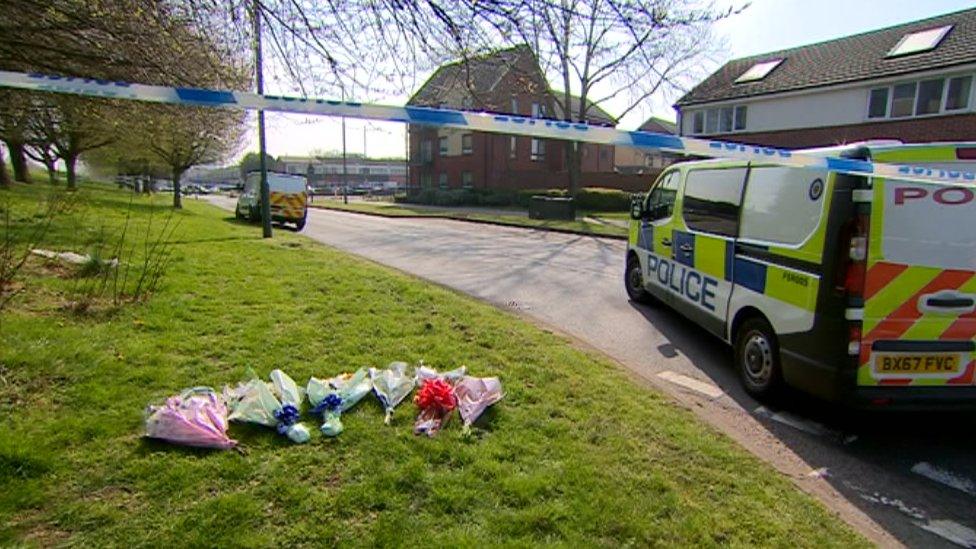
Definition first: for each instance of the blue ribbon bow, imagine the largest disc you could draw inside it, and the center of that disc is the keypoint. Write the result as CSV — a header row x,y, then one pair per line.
x,y
287,416
331,403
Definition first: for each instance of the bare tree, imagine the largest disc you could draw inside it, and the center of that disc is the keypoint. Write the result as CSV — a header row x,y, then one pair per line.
x,y
4,176
603,51
14,117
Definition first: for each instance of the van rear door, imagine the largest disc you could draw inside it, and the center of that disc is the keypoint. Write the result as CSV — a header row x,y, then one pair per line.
x,y
919,319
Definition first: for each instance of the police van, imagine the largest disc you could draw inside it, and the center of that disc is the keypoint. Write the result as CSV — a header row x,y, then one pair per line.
x,y
855,289
288,197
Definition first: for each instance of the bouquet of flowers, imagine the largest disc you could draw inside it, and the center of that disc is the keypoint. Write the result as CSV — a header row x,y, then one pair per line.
x,y
436,402
331,397
391,386
196,417
474,395
273,405
425,373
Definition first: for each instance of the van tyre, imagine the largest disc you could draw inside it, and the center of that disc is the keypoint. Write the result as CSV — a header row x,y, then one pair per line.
x,y
757,359
634,282
237,212
300,224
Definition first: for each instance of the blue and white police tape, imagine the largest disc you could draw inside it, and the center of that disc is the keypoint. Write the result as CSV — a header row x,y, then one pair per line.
x,y
483,122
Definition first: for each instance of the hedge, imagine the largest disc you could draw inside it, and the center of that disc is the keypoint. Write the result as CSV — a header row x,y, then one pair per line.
x,y
589,198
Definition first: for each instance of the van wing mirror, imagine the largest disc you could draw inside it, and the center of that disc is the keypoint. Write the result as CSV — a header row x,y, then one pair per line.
x,y
636,206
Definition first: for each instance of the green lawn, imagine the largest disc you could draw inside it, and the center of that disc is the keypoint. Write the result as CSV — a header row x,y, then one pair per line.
x,y
577,453
406,210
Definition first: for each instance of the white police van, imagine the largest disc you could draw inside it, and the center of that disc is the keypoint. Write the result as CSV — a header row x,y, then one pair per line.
x,y
855,289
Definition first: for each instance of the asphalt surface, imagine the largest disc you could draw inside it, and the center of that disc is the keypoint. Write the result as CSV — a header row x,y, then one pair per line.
x,y
899,478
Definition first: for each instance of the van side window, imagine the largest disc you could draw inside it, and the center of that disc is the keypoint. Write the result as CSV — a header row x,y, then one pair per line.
x,y
782,205
712,199
660,201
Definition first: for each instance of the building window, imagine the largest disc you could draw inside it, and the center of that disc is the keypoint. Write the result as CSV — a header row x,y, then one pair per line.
x,y
957,97
740,117
725,119
711,121
442,145
719,120
426,151
929,99
918,42
467,102
878,103
515,105
903,99
512,147
922,98
442,180
467,147
538,149
758,71
538,110
467,180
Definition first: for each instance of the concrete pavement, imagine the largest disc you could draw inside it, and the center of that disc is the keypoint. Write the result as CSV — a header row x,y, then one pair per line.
x,y
867,468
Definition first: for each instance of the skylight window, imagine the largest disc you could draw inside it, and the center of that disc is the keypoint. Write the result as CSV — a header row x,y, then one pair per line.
x,y
758,71
918,42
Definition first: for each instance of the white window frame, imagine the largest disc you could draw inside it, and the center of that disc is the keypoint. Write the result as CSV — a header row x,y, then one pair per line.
x,y
970,107
718,128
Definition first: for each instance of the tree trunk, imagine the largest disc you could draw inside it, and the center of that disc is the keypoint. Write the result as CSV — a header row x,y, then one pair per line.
x,y
147,186
52,171
4,175
574,165
177,200
18,159
70,175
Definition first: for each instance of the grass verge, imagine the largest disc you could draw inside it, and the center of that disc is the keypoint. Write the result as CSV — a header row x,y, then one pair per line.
x,y
576,454
578,226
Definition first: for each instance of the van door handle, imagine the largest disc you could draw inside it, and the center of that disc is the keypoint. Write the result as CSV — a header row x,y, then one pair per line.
x,y
686,248
665,241
947,301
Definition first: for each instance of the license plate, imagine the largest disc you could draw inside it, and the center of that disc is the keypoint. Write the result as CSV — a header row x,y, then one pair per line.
x,y
909,364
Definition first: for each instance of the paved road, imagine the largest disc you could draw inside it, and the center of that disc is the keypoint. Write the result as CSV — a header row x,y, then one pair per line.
x,y
899,478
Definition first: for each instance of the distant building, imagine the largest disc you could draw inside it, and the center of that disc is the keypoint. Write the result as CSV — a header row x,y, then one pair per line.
x,y
507,81
911,82
630,160
326,172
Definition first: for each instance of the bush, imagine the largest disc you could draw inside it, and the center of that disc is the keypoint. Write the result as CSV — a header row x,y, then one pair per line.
x,y
590,198
600,199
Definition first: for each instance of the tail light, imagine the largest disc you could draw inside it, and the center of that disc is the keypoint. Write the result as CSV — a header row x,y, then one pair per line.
x,y
852,266
854,339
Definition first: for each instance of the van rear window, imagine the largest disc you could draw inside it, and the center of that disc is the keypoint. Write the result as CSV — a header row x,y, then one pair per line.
x,y
782,205
712,199
930,225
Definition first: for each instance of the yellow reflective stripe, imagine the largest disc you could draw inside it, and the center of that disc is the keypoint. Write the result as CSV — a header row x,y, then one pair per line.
x,y
894,294
931,326
632,230
710,255
940,153
661,232
793,287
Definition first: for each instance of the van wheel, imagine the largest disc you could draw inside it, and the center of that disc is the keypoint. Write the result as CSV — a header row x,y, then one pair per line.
x,y
757,358
300,224
634,281
237,212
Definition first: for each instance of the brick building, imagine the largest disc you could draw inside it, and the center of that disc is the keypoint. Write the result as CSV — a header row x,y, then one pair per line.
x,y
631,160
508,81
911,82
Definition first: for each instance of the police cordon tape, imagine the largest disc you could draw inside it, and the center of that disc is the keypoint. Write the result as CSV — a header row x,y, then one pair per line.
x,y
478,121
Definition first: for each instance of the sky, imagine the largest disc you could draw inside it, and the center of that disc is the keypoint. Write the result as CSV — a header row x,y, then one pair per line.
x,y
764,26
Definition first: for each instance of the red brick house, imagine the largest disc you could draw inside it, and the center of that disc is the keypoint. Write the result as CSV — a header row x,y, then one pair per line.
x,y
911,82
508,81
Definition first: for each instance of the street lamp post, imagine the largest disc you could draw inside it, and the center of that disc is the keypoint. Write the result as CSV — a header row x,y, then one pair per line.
x,y
259,78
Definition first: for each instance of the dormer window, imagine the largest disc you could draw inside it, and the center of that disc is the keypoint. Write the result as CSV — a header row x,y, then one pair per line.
x,y
918,42
758,71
